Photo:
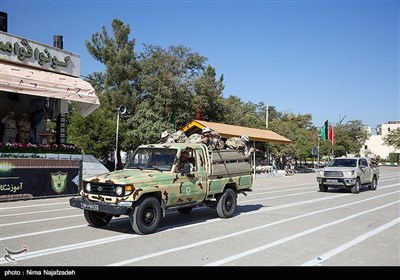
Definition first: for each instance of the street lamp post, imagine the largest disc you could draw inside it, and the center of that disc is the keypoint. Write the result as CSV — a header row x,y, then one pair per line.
x,y
120,110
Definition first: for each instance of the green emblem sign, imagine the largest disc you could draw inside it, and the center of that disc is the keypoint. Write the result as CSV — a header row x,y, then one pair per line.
x,y
58,181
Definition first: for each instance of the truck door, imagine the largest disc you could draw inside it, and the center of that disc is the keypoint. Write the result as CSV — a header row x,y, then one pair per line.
x,y
191,180
366,171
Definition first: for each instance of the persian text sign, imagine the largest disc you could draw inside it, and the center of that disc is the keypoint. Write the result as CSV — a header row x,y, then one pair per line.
x,y
23,51
27,178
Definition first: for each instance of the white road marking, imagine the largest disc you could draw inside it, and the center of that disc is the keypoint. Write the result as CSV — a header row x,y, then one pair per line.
x,y
97,242
41,232
351,243
294,236
33,205
237,233
36,212
40,220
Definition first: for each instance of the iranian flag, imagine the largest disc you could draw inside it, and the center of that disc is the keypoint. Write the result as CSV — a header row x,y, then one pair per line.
x,y
331,135
324,131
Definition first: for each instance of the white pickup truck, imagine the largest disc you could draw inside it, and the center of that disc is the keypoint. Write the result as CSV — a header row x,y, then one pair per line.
x,y
348,173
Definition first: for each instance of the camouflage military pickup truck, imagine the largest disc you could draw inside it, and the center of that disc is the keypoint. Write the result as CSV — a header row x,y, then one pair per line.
x,y
155,179
348,173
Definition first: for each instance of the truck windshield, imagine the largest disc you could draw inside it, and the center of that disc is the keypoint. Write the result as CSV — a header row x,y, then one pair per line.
x,y
342,162
152,158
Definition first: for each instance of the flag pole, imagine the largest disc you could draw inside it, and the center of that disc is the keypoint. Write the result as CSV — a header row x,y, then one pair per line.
x,y
318,149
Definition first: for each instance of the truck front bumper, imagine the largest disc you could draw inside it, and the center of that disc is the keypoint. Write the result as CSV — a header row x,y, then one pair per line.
x,y
120,209
337,182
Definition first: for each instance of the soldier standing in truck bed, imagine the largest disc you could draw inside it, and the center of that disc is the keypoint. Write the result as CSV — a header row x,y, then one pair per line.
x,y
248,149
166,138
211,139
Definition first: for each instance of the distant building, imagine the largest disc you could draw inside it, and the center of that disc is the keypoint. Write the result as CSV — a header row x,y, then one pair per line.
x,y
375,146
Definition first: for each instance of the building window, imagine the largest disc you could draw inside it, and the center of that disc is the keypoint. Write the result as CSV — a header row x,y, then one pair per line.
x,y
365,147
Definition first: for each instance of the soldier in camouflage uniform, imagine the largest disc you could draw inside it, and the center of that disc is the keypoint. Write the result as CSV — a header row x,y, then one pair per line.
x,y
10,128
248,149
24,131
211,139
235,143
206,138
166,138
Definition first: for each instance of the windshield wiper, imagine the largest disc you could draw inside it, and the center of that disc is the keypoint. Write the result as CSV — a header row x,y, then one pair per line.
x,y
156,168
135,167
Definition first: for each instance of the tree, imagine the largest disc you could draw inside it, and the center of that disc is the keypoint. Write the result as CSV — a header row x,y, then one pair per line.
x,y
208,96
167,81
115,87
95,134
233,110
393,139
349,138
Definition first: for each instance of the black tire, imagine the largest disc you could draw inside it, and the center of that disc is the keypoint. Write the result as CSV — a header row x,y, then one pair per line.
x,y
323,188
356,187
185,210
373,184
146,215
227,203
97,219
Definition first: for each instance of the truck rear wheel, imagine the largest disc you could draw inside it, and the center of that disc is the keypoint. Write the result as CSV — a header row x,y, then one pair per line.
x,y
146,215
96,219
226,205
356,187
323,188
373,184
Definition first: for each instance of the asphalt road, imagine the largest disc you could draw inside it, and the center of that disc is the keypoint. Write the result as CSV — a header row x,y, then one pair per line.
x,y
285,221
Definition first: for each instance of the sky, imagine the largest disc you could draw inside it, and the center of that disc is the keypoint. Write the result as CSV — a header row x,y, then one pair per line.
x,y
336,60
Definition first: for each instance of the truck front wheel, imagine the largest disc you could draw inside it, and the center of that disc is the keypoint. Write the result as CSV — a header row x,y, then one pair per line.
x,y
96,219
146,215
356,187
323,188
226,205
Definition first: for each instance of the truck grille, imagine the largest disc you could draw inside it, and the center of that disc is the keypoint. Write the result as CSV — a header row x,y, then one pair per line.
x,y
333,174
102,189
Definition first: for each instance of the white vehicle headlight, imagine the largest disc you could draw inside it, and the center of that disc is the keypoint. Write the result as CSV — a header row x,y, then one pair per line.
x,y
87,187
321,173
348,173
118,190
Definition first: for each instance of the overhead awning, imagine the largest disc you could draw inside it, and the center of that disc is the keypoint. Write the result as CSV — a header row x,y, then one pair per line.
x,y
31,81
228,131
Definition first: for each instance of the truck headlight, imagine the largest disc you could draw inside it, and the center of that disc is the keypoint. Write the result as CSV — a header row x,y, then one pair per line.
x,y
118,190
348,173
87,187
321,173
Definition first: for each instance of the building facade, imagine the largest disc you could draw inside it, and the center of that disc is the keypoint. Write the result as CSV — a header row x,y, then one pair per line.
x,y
375,146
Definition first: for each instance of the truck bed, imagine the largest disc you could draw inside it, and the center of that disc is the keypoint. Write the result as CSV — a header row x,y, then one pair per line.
x,y
229,162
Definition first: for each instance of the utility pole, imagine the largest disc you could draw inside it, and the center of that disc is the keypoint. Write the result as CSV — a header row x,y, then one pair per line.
x,y
116,144
120,110
266,126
